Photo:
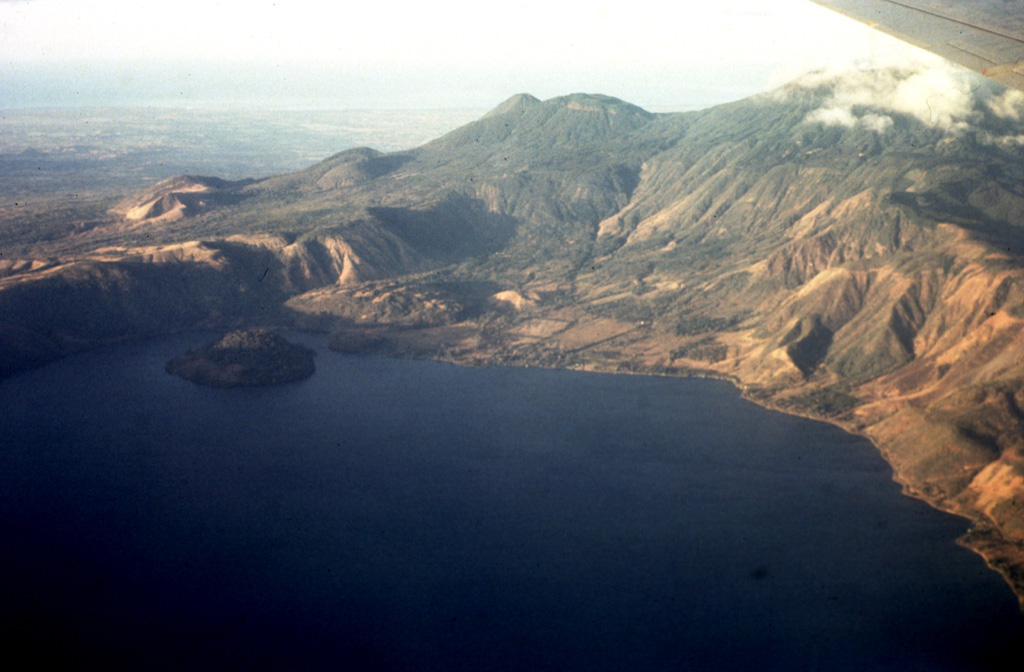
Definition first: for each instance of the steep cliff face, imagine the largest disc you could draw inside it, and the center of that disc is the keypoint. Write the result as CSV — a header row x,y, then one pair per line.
x,y
848,247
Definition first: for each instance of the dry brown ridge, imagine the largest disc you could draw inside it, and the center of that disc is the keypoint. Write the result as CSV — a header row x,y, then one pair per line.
x,y
872,277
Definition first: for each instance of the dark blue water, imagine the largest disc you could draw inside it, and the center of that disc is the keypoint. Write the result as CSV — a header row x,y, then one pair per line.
x,y
403,515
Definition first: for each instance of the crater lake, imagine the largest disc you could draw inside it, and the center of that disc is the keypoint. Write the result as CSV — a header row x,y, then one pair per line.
x,y
412,515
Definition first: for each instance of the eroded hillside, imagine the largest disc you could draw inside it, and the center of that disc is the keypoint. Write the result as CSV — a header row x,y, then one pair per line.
x,y
847,247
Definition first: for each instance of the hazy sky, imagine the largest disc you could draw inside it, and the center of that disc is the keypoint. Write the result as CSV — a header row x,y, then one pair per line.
x,y
440,53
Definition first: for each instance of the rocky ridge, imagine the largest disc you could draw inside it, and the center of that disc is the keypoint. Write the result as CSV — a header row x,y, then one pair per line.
x,y
847,248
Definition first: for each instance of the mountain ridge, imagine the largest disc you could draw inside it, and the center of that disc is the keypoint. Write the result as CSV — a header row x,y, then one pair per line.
x,y
850,254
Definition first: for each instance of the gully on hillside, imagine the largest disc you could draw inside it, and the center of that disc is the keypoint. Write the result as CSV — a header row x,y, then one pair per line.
x,y
838,247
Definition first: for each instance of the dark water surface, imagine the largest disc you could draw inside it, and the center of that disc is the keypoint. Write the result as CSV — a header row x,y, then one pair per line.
x,y
404,515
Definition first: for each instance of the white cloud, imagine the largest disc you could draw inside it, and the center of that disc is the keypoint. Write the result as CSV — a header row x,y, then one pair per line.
x,y
879,123
844,116
833,116
939,95
1010,141
1009,105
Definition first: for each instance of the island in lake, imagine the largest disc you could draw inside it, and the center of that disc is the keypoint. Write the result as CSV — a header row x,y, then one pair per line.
x,y
861,265
245,357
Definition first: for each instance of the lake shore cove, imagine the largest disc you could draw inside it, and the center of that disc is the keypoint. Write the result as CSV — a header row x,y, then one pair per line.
x,y
925,450
867,275
417,515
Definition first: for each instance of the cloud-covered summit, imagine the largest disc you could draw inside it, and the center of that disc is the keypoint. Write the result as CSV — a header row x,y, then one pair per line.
x,y
942,97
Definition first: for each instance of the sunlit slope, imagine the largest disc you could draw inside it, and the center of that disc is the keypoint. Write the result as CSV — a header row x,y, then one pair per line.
x,y
848,247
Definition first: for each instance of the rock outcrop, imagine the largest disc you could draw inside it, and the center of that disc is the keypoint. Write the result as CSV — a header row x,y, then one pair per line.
x,y
857,262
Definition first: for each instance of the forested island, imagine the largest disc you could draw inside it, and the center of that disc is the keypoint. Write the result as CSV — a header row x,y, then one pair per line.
x,y
247,357
855,262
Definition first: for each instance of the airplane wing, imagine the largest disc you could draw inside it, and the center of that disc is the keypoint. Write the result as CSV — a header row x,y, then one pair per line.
x,y
984,35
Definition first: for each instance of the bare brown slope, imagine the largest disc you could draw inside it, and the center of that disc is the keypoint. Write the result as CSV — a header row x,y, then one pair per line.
x,y
178,197
862,265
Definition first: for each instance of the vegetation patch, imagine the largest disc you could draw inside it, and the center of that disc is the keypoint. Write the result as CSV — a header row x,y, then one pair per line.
x,y
828,402
696,325
249,357
706,349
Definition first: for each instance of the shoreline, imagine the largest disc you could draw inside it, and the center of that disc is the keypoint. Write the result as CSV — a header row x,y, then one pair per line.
x,y
982,538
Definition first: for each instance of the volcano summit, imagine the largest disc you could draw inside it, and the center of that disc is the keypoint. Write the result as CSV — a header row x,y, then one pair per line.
x,y
845,247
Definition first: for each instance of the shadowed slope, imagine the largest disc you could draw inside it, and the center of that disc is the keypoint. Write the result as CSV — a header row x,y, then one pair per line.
x,y
843,247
